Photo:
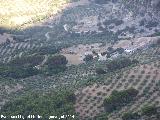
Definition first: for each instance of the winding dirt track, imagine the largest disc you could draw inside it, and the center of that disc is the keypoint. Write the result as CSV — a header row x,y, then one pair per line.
x,y
47,35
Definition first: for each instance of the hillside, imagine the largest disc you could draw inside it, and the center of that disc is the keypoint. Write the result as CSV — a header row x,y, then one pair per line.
x,y
20,13
84,59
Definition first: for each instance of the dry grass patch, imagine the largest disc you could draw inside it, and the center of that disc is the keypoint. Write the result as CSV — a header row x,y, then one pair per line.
x,y
15,13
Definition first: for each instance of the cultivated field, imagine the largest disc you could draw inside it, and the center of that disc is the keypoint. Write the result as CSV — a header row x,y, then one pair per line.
x,y
144,78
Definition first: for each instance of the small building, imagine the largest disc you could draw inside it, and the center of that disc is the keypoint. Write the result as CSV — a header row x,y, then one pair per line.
x,y
102,58
66,27
88,53
38,67
115,55
130,50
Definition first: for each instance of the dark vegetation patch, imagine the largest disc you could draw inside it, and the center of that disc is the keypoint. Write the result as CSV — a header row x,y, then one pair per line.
x,y
142,22
102,1
155,34
25,61
113,21
120,63
127,29
151,24
46,50
119,99
130,116
55,103
116,101
149,112
21,67
17,71
55,64
100,71
88,58
31,65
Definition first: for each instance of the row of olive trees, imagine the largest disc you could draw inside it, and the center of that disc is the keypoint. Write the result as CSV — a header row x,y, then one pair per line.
x,y
27,66
119,99
147,111
54,103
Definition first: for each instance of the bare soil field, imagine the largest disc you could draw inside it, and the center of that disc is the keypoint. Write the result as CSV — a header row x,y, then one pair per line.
x,y
73,59
77,53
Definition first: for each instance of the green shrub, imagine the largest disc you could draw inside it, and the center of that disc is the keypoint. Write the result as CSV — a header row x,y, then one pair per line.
x,y
149,110
119,64
55,64
17,72
56,60
119,99
53,103
25,61
100,71
46,50
130,116
88,58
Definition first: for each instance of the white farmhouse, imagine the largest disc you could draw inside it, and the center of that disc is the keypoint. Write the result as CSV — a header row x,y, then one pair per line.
x,y
115,55
130,50
102,58
66,27
88,53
